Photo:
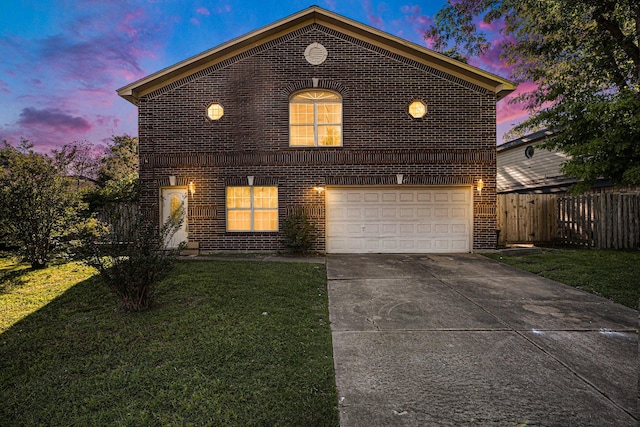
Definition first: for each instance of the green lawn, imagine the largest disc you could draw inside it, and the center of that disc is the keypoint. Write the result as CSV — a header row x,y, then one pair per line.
x,y
227,343
611,274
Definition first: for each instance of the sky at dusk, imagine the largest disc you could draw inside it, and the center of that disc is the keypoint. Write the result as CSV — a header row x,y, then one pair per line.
x,y
61,61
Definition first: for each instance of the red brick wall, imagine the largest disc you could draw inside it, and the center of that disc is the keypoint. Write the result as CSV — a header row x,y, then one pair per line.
x,y
453,144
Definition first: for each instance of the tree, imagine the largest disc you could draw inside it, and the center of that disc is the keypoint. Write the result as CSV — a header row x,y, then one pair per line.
x,y
117,174
584,56
122,161
37,203
80,159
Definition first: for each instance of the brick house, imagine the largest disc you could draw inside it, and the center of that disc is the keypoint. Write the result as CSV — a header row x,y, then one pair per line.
x,y
381,141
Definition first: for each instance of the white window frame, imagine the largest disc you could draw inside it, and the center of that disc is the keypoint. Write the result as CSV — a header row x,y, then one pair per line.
x,y
252,209
315,103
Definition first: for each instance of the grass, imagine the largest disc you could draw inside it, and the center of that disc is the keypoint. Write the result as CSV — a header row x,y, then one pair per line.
x,y
227,343
612,274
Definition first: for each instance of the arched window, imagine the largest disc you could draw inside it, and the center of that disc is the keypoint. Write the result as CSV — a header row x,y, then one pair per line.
x,y
315,119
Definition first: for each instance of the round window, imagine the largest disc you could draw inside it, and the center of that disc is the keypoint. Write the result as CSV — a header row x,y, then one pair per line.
x,y
528,152
215,111
417,109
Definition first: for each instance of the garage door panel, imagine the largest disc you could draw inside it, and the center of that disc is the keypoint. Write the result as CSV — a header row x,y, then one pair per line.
x,y
372,212
424,228
354,196
459,196
407,228
398,220
441,212
441,197
389,229
389,213
459,228
424,212
406,197
407,213
459,212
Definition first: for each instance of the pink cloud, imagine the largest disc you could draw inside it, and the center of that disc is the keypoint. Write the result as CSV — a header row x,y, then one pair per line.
x,y
495,26
510,113
4,87
194,21
52,118
203,11
415,20
491,60
374,19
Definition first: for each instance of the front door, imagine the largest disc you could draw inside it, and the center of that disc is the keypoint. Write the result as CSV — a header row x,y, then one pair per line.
x,y
174,205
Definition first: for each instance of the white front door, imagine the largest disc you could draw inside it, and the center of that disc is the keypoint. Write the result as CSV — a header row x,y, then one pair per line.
x,y
174,205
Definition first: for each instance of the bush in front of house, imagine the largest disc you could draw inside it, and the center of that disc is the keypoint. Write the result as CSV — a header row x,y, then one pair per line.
x,y
299,232
131,260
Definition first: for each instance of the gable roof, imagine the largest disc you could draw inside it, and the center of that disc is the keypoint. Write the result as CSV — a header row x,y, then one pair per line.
x,y
133,91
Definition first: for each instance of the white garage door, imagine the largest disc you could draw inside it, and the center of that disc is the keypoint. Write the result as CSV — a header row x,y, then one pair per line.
x,y
398,219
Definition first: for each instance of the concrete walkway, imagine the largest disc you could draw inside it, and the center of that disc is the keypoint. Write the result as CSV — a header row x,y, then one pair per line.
x,y
432,340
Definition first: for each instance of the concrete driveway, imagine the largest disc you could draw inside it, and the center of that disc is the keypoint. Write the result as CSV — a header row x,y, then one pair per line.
x,y
431,340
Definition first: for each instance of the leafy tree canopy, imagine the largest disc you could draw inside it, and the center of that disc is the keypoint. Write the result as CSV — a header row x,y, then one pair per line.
x,y
122,160
117,174
584,56
38,204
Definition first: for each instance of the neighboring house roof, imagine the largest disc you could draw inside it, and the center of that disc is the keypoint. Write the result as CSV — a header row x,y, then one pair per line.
x,y
498,85
532,138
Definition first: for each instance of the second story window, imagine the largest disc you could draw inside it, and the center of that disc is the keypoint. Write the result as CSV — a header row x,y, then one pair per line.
x,y
315,119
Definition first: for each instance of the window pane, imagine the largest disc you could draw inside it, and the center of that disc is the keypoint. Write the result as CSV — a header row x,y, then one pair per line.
x,y
176,209
301,114
329,135
239,220
329,113
215,111
266,220
316,95
417,109
238,197
265,197
302,135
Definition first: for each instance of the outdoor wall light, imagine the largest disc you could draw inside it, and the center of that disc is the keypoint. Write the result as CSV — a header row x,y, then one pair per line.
x,y
192,188
250,180
400,178
172,180
319,190
480,185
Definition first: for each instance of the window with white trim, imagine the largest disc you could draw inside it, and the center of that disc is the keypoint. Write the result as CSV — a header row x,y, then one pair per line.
x,y
252,208
315,119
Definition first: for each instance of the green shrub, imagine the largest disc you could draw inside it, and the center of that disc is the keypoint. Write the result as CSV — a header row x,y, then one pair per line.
x,y
299,232
131,260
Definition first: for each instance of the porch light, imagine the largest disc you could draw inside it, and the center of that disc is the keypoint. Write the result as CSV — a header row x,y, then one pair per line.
x,y
480,185
319,190
400,178
192,188
172,180
250,180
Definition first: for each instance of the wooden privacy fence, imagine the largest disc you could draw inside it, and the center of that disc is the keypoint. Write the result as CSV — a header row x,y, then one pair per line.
x,y
526,218
603,220
119,216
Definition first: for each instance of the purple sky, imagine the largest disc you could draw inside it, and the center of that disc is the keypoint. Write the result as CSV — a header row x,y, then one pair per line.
x,y
62,60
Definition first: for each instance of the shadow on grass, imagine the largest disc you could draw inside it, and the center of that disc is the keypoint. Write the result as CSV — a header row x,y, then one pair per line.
x,y
228,343
11,276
